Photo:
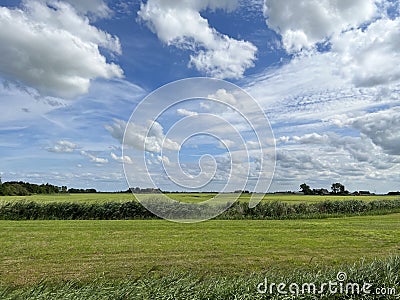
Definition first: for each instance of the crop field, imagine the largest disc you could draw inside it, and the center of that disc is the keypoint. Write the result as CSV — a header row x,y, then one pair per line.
x,y
186,197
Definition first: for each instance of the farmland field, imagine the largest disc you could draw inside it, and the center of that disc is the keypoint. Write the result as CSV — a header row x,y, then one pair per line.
x,y
217,259
185,197
84,250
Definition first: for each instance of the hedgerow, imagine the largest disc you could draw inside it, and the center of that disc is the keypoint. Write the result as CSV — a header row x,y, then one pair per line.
x,y
29,210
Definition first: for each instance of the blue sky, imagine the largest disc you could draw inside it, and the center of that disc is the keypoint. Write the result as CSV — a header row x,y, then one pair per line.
x,y
323,72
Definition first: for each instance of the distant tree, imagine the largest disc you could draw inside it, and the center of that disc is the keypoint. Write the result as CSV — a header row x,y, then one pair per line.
x,y
306,189
20,188
338,188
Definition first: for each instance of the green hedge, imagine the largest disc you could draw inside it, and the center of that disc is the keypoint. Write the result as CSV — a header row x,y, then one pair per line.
x,y
73,211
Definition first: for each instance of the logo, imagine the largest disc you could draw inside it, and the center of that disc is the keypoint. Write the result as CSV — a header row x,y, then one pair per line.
x,y
198,135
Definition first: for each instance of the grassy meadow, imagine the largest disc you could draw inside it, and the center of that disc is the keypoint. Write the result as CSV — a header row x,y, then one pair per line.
x,y
62,250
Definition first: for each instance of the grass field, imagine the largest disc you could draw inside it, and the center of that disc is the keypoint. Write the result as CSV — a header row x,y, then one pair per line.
x,y
184,197
32,251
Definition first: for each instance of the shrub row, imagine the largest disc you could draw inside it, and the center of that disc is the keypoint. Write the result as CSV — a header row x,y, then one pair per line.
x,y
23,210
283,210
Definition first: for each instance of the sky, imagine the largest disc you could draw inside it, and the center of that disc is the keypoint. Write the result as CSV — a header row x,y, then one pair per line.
x,y
324,73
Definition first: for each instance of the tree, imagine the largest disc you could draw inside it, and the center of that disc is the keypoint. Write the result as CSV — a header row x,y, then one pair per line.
x,y
305,189
337,188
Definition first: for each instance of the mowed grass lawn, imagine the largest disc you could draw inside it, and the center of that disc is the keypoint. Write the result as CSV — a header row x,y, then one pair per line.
x,y
32,251
183,197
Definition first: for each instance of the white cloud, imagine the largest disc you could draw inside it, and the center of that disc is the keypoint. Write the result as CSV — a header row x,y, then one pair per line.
x,y
137,136
283,139
27,104
122,159
180,24
382,127
94,158
226,143
312,91
164,159
302,24
63,146
361,39
224,96
97,8
185,112
312,138
58,50
253,145
362,149
368,56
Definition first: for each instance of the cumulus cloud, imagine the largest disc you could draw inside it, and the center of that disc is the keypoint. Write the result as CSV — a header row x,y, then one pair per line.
x,y
302,24
122,159
180,24
94,158
140,137
361,37
382,127
366,151
58,50
368,56
63,146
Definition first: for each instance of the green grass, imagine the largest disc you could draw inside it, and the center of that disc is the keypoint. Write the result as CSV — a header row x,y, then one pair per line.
x,y
79,198
56,251
379,273
318,198
183,197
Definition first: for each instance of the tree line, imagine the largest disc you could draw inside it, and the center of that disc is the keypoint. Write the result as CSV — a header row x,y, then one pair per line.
x,y
20,188
336,189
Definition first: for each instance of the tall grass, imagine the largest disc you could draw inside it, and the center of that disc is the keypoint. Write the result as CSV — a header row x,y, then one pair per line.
x,y
380,274
23,210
